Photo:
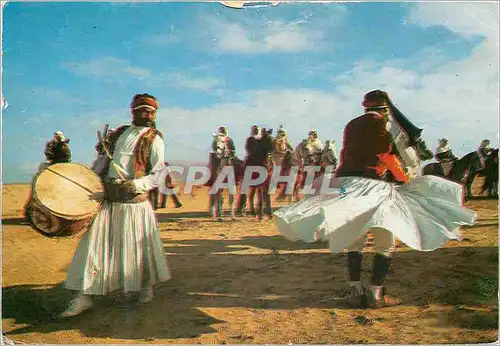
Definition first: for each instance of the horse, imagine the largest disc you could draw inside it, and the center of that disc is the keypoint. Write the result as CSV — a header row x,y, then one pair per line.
x,y
282,157
260,155
222,157
462,169
329,155
490,174
303,157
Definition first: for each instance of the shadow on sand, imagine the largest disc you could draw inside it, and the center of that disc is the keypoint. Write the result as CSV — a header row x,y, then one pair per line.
x,y
169,316
461,277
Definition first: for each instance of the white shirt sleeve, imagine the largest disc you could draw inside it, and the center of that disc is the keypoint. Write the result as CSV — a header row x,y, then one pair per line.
x,y
157,160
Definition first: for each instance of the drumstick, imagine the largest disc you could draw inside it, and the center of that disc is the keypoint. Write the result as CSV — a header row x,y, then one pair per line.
x,y
117,168
105,131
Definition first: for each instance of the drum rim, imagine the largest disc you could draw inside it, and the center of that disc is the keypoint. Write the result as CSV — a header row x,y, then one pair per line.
x,y
65,216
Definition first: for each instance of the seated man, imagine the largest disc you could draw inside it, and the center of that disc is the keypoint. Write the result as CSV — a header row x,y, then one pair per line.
x,y
330,154
222,144
282,146
445,156
484,148
56,151
315,148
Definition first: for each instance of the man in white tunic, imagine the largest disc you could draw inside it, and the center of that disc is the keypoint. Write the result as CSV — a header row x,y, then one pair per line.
x,y
122,248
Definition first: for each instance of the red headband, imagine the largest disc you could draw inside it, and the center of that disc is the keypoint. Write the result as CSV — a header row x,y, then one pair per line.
x,y
144,102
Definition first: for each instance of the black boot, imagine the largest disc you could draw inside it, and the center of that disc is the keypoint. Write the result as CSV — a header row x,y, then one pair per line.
x,y
357,297
381,266
376,297
354,260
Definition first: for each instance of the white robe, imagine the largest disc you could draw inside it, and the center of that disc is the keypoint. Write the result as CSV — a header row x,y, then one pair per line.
x,y
424,213
122,248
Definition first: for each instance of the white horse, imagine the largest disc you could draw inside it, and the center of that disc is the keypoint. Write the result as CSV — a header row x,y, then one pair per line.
x,y
329,155
308,154
282,157
218,160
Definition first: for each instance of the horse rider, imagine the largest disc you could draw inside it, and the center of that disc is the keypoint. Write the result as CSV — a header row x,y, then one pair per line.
x,y
484,148
223,145
281,143
315,148
56,151
445,156
329,154
223,154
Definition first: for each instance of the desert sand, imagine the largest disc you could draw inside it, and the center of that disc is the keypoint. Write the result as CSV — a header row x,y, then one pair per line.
x,y
240,282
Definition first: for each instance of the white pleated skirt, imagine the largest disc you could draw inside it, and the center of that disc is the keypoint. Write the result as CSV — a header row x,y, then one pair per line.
x,y
424,213
121,250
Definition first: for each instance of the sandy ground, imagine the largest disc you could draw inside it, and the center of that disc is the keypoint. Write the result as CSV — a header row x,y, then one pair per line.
x,y
240,282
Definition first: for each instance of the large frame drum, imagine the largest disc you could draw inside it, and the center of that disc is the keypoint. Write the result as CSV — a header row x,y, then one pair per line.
x,y
64,199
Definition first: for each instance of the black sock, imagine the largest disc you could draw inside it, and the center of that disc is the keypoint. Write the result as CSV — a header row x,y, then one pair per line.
x,y
381,266
354,260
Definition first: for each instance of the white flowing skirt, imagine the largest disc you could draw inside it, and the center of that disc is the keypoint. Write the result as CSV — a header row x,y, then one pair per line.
x,y
424,213
121,249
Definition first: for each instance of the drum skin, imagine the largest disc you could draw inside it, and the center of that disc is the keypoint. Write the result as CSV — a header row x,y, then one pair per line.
x,y
64,199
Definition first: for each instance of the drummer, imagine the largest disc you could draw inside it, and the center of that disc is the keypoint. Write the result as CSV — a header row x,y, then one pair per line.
x,y
122,249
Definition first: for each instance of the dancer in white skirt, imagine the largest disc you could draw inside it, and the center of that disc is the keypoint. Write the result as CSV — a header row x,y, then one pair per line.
x,y
424,213
122,248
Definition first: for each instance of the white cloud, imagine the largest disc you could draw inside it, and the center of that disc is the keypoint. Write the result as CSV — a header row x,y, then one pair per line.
x,y
43,98
138,72
183,80
234,34
189,130
107,69
277,37
455,99
55,96
466,19
115,70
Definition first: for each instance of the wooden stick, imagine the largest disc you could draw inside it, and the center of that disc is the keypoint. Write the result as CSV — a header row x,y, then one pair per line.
x,y
117,168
